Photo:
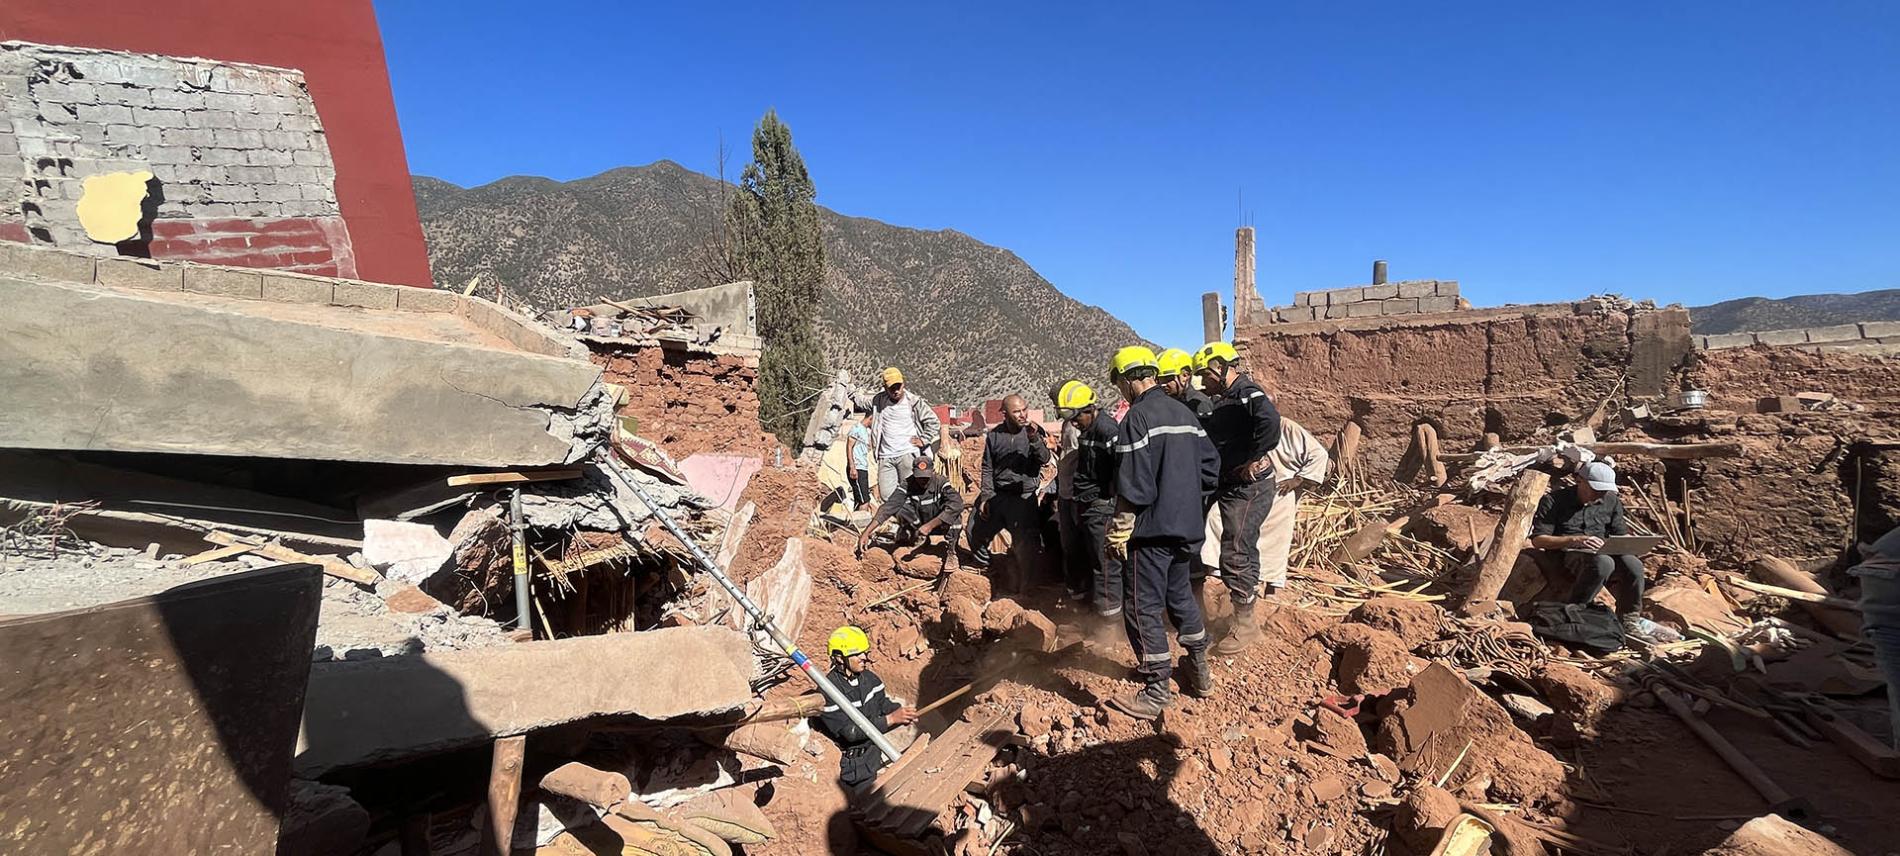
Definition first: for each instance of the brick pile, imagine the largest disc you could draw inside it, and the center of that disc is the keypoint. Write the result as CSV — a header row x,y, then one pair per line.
x,y
242,167
1412,297
686,400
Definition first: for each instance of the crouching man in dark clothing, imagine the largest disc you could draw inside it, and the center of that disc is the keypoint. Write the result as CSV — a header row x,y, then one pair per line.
x,y
1576,522
924,504
860,760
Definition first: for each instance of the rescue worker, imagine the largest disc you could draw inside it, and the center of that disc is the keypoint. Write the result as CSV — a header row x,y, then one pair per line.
x,y
1245,428
1164,469
1091,502
1299,465
1176,375
850,673
1068,531
925,504
1013,456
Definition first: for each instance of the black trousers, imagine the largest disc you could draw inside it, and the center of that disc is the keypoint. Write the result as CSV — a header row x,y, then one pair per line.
x,y
860,488
1594,570
1104,579
908,523
1016,513
1243,509
1157,592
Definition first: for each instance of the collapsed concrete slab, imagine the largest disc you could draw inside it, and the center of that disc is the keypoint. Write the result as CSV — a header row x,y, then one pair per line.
x,y
230,361
374,711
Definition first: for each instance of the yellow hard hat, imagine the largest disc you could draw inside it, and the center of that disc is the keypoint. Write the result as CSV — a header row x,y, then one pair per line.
x,y
849,641
1215,349
1174,361
1075,395
1131,357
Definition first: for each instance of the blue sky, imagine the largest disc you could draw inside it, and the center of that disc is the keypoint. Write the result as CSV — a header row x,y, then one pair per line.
x,y
1681,151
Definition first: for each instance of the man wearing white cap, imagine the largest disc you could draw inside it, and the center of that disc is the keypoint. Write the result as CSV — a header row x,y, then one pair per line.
x,y
1576,522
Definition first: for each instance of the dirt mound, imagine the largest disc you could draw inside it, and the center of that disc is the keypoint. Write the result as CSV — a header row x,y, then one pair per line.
x,y
1367,659
1414,622
1445,727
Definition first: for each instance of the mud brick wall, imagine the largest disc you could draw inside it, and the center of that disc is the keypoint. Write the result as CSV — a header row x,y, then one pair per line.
x,y
1511,370
242,170
1412,297
688,401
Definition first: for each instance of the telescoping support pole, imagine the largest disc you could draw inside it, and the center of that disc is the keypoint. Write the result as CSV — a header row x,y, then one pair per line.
x,y
759,618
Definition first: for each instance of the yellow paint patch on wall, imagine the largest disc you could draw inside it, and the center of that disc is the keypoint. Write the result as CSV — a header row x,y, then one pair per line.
x,y
111,205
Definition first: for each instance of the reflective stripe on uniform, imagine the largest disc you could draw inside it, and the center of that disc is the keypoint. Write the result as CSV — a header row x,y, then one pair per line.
x,y
1191,638
1162,657
1125,448
1253,395
832,708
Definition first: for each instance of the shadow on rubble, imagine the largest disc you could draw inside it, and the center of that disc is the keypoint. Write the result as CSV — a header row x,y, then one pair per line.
x,y
1108,798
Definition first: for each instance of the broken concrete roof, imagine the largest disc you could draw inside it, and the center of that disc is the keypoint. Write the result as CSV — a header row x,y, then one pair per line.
x,y
716,319
119,355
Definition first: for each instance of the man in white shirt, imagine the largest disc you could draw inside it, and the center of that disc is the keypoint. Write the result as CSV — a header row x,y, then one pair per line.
x,y
902,426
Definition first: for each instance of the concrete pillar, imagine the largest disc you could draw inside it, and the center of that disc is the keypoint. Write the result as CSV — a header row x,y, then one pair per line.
x,y
1245,295
1378,272
1212,324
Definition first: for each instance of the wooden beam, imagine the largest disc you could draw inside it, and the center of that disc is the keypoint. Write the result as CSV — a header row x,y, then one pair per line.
x,y
1837,621
1793,594
330,564
214,554
504,795
1659,451
514,477
1513,529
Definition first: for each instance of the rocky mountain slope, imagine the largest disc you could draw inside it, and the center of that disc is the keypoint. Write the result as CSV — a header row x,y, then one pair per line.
x,y
967,321
1807,310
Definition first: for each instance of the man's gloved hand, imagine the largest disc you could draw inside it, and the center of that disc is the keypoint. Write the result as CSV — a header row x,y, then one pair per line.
x,y
1121,527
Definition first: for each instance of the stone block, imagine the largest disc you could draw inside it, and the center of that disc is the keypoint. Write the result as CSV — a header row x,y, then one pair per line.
x,y
1879,329
292,288
369,295
1337,310
415,299
224,282
1381,292
1836,333
1782,337
1728,340
1364,309
1447,288
25,260
1438,304
141,273
1418,288
1340,296
1399,306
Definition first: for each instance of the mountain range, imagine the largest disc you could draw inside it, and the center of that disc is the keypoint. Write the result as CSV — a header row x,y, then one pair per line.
x,y
965,320
1787,313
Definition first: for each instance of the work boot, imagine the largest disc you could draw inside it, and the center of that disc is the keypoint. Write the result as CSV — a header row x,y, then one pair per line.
x,y
1197,678
1146,703
951,564
1243,633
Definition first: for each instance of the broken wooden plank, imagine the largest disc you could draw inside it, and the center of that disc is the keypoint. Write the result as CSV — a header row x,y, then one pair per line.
x,y
1512,531
277,552
513,477
504,795
215,554
918,790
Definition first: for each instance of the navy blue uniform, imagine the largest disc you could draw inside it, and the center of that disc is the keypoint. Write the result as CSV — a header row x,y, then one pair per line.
x,y
1245,427
1092,505
1167,467
861,760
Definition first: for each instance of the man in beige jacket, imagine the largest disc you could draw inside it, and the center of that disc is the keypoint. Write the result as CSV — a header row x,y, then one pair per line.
x,y
1299,465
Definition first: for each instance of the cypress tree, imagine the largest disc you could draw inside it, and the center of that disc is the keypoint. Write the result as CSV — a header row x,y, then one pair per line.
x,y
779,243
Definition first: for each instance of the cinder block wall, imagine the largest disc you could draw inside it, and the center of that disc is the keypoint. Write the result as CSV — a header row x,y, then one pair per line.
x,y
242,170
1865,337
1412,297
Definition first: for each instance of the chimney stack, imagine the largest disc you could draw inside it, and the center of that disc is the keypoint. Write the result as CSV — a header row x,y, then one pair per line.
x,y
1245,294
1378,272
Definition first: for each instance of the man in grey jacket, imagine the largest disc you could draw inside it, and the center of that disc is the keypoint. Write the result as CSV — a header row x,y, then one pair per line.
x,y
902,427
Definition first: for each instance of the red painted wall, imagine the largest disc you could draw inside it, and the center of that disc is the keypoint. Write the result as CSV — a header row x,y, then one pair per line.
x,y
338,47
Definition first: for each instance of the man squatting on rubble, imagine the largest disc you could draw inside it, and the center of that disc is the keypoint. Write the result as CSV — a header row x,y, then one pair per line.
x,y
850,673
1085,479
1013,455
1575,522
1166,468
1245,428
902,427
926,504
1299,465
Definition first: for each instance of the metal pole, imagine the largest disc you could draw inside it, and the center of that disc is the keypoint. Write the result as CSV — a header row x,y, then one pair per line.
x,y
524,617
759,618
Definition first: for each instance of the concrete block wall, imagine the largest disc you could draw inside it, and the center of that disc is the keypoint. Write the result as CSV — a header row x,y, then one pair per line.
x,y
242,169
26,261
1412,297
1863,337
